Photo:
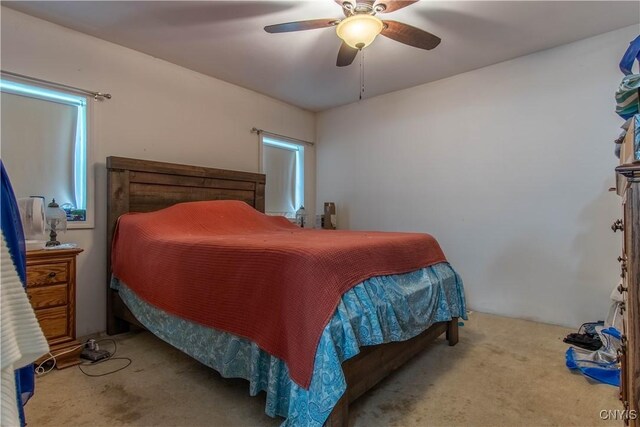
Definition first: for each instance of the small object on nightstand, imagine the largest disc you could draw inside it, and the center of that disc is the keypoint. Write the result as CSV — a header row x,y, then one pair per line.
x,y
34,222
329,216
61,246
51,288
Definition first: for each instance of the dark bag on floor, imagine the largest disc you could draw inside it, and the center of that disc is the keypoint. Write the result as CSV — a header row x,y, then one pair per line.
x,y
583,341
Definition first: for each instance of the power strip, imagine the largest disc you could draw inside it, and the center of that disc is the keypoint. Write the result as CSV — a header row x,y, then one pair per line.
x,y
94,355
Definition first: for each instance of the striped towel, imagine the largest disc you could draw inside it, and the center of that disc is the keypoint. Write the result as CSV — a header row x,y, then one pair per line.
x,y
21,339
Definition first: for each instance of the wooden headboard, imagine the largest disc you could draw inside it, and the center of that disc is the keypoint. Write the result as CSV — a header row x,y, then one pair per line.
x,y
135,185
143,186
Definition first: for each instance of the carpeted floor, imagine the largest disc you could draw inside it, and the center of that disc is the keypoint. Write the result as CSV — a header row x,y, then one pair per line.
x,y
502,372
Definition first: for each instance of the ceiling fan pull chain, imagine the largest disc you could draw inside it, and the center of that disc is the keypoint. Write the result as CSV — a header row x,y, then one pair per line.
x,y
361,73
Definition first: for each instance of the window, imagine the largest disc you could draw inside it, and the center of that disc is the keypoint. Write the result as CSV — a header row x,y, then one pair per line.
x,y
44,147
283,164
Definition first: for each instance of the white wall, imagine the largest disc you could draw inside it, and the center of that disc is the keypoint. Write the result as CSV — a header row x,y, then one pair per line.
x,y
508,166
159,111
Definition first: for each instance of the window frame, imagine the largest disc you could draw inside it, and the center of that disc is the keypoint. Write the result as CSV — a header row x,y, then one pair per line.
x,y
85,107
299,148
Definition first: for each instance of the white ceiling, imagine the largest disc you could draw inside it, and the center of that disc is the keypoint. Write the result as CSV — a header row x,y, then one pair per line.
x,y
226,40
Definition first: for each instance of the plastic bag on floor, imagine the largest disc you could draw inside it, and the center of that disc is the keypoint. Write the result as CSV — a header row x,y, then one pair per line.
x,y
600,365
614,317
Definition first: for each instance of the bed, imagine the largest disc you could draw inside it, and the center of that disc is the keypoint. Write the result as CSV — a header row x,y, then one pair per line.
x,y
147,186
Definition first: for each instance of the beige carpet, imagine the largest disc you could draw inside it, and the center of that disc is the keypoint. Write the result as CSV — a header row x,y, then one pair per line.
x,y
502,372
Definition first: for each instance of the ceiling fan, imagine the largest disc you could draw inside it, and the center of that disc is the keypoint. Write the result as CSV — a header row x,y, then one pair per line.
x,y
361,26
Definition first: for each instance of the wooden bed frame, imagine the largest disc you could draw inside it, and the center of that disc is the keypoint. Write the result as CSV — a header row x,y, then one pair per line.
x,y
143,186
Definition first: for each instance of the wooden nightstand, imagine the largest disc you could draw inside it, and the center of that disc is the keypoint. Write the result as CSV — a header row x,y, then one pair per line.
x,y
51,288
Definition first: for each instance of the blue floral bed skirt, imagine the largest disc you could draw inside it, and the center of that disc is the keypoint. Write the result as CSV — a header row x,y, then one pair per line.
x,y
379,310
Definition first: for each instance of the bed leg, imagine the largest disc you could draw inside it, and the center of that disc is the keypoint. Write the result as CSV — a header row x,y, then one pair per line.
x,y
339,417
115,325
452,331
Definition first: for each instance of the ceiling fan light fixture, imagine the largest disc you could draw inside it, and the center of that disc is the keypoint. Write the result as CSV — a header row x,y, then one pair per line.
x,y
359,31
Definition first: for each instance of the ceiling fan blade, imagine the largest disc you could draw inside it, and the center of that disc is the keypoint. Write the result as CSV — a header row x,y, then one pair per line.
x,y
409,35
300,25
392,5
346,55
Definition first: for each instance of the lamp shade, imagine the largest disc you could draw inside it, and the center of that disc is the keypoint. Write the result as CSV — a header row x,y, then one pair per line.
x,y
359,31
53,212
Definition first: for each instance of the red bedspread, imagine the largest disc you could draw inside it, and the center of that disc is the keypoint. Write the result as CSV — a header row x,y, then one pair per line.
x,y
225,265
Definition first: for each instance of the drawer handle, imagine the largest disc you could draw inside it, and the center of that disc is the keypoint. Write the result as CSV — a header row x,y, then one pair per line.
x,y
52,274
617,225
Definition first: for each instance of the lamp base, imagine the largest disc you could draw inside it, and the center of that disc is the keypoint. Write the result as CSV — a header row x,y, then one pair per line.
x,y
53,237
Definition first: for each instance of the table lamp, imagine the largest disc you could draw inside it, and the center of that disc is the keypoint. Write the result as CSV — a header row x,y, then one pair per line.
x,y
56,221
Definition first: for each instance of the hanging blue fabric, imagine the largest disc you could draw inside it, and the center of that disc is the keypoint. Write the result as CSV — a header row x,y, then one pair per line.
x,y
14,237
12,226
630,56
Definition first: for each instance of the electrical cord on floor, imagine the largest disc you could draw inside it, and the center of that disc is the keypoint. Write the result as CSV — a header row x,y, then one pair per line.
x,y
584,325
40,370
111,357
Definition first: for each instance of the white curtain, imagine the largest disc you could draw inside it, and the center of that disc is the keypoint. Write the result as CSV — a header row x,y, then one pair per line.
x,y
279,164
38,147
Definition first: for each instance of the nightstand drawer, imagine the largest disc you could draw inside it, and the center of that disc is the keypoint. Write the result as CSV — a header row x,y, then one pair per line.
x,y
53,321
48,296
47,274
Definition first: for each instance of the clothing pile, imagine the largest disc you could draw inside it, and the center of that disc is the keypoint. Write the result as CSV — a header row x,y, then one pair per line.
x,y
627,145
